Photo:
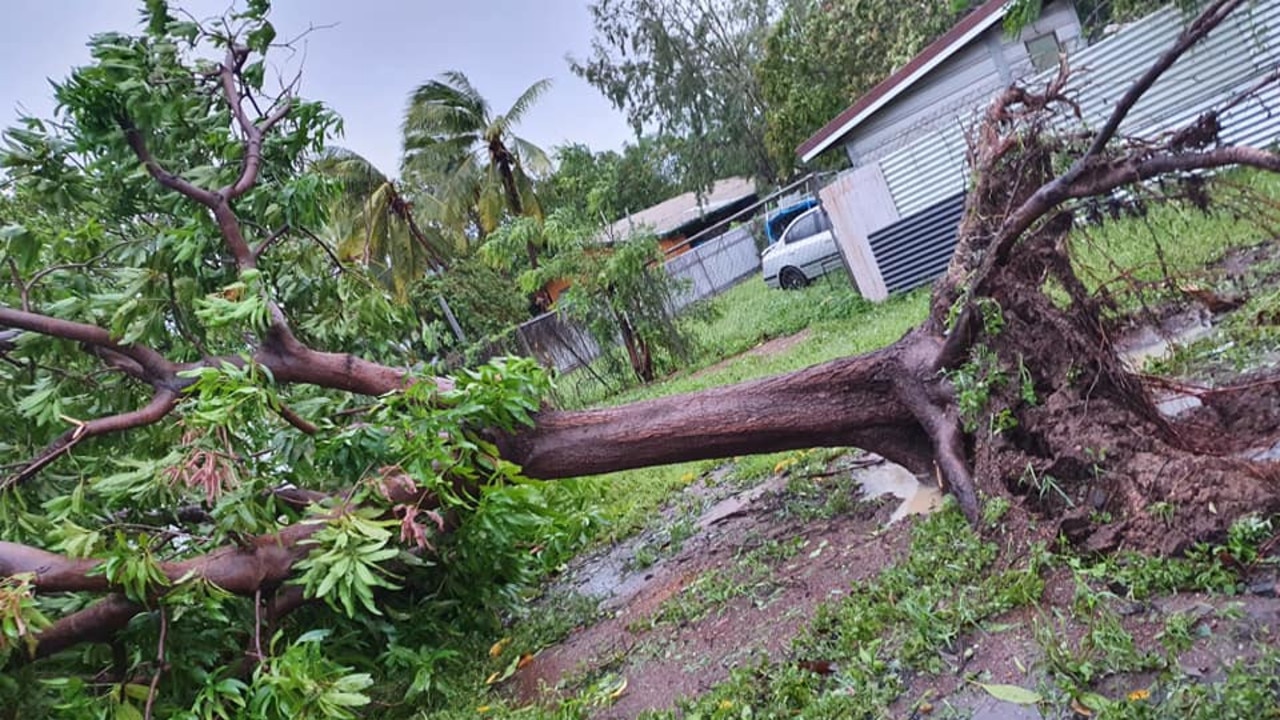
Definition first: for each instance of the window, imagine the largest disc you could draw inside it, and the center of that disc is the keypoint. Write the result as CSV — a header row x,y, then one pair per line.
x,y
1044,51
803,227
824,222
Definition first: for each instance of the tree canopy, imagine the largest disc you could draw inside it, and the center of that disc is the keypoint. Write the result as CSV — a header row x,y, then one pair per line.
x,y
182,470
469,159
606,186
821,56
684,69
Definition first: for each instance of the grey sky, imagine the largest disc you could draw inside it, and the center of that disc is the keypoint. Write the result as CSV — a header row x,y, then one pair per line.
x,y
364,67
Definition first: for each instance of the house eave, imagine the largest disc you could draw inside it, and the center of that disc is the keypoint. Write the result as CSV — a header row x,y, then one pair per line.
x,y
837,129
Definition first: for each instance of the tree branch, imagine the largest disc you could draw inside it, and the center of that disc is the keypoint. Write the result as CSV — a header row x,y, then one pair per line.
x,y
293,418
253,132
265,562
160,665
337,264
160,371
1209,18
133,136
261,563
270,240
161,404
97,623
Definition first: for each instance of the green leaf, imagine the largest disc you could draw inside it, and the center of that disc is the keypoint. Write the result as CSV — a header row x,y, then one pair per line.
x,y
347,699
260,39
125,711
313,636
22,244
1011,693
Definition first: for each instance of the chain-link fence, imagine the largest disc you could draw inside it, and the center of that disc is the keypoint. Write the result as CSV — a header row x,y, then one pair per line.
x,y
710,268
718,264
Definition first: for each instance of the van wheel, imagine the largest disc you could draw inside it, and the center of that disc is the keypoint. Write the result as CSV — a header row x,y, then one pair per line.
x,y
792,279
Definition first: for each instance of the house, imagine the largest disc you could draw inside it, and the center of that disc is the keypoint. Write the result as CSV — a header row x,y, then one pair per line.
x,y
676,221
897,209
906,141
685,216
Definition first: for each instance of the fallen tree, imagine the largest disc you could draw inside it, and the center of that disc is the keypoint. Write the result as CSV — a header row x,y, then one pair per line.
x,y
190,324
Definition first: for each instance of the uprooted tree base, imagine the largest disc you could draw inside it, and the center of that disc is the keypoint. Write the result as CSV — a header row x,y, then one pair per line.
x,y
1066,429
1012,388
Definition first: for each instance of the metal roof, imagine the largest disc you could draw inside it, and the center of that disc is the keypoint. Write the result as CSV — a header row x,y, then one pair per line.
x,y
961,34
670,215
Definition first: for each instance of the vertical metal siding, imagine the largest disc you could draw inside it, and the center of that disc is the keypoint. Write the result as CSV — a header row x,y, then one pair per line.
x,y
1232,59
717,264
916,249
936,167
925,177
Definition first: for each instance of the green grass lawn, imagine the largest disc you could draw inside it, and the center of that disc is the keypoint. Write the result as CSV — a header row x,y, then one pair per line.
x,y
1177,237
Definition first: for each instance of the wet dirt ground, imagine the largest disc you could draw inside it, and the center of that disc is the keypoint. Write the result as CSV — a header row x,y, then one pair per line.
x,y
662,655
663,660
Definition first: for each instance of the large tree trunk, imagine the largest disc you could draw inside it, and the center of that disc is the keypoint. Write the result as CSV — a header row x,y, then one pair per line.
x,y
847,402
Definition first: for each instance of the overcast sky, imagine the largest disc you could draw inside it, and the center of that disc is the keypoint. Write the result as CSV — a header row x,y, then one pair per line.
x,y
365,66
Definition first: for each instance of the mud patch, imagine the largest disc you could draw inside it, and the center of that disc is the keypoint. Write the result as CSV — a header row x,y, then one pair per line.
x,y
767,348
735,593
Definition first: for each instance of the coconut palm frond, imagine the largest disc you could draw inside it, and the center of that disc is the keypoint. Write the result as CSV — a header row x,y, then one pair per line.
x,y
532,157
526,100
530,205
476,168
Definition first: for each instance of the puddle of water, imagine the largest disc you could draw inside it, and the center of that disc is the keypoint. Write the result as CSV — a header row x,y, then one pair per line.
x,y
889,479
1266,454
1175,405
1152,343
610,576
739,503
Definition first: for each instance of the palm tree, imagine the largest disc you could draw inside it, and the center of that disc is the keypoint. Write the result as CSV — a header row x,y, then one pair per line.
x,y
372,223
476,167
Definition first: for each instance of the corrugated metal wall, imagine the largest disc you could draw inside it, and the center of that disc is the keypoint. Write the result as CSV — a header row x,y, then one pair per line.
x,y
925,177
933,168
1232,59
916,249
924,159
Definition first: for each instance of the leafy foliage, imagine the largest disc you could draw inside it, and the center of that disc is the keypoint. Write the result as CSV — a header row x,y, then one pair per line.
x,y
607,186
819,57
469,159
683,68
373,223
176,241
618,288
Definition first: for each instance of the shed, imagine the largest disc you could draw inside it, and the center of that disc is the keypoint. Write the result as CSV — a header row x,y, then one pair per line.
x,y
906,140
683,216
897,210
